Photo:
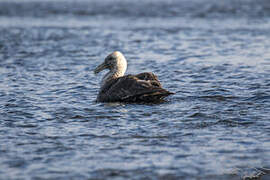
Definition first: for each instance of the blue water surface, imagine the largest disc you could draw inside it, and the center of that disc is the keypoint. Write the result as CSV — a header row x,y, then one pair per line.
x,y
215,55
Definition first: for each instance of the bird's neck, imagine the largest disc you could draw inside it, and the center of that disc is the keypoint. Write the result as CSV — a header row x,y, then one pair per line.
x,y
113,74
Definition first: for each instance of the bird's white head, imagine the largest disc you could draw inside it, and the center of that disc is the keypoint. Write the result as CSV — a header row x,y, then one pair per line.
x,y
116,63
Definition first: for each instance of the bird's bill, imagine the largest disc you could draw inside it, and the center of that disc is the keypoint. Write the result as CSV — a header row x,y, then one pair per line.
x,y
100,68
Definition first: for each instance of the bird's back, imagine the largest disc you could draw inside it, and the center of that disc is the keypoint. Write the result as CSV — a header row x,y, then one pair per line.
x,y
143,87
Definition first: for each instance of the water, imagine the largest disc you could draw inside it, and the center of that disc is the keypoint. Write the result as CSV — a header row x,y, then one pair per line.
x,y
215,55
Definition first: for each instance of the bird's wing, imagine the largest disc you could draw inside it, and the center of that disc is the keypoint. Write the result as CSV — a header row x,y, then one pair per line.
x,y
131,88
149,77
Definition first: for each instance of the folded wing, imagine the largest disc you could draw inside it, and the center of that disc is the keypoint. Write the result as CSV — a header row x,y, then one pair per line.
x,y
144,87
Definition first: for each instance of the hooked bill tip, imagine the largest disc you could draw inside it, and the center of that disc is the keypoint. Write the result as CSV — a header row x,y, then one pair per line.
x,y
100,68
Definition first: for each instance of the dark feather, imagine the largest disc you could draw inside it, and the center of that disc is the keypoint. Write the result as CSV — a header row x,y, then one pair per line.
x,y
144,87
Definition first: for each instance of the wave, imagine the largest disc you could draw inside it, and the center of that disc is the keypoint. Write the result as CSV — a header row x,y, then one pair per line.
x,y
140,8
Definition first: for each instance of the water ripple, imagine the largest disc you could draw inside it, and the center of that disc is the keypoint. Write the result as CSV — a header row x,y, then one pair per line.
x,y
216,126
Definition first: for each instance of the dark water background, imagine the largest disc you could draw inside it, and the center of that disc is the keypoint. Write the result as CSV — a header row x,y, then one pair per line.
x,y
214,54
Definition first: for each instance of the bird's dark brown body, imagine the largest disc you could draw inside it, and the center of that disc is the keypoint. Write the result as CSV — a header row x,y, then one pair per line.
x,y
144,87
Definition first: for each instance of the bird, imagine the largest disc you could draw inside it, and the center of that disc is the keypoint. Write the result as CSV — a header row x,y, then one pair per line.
x,y
117,87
